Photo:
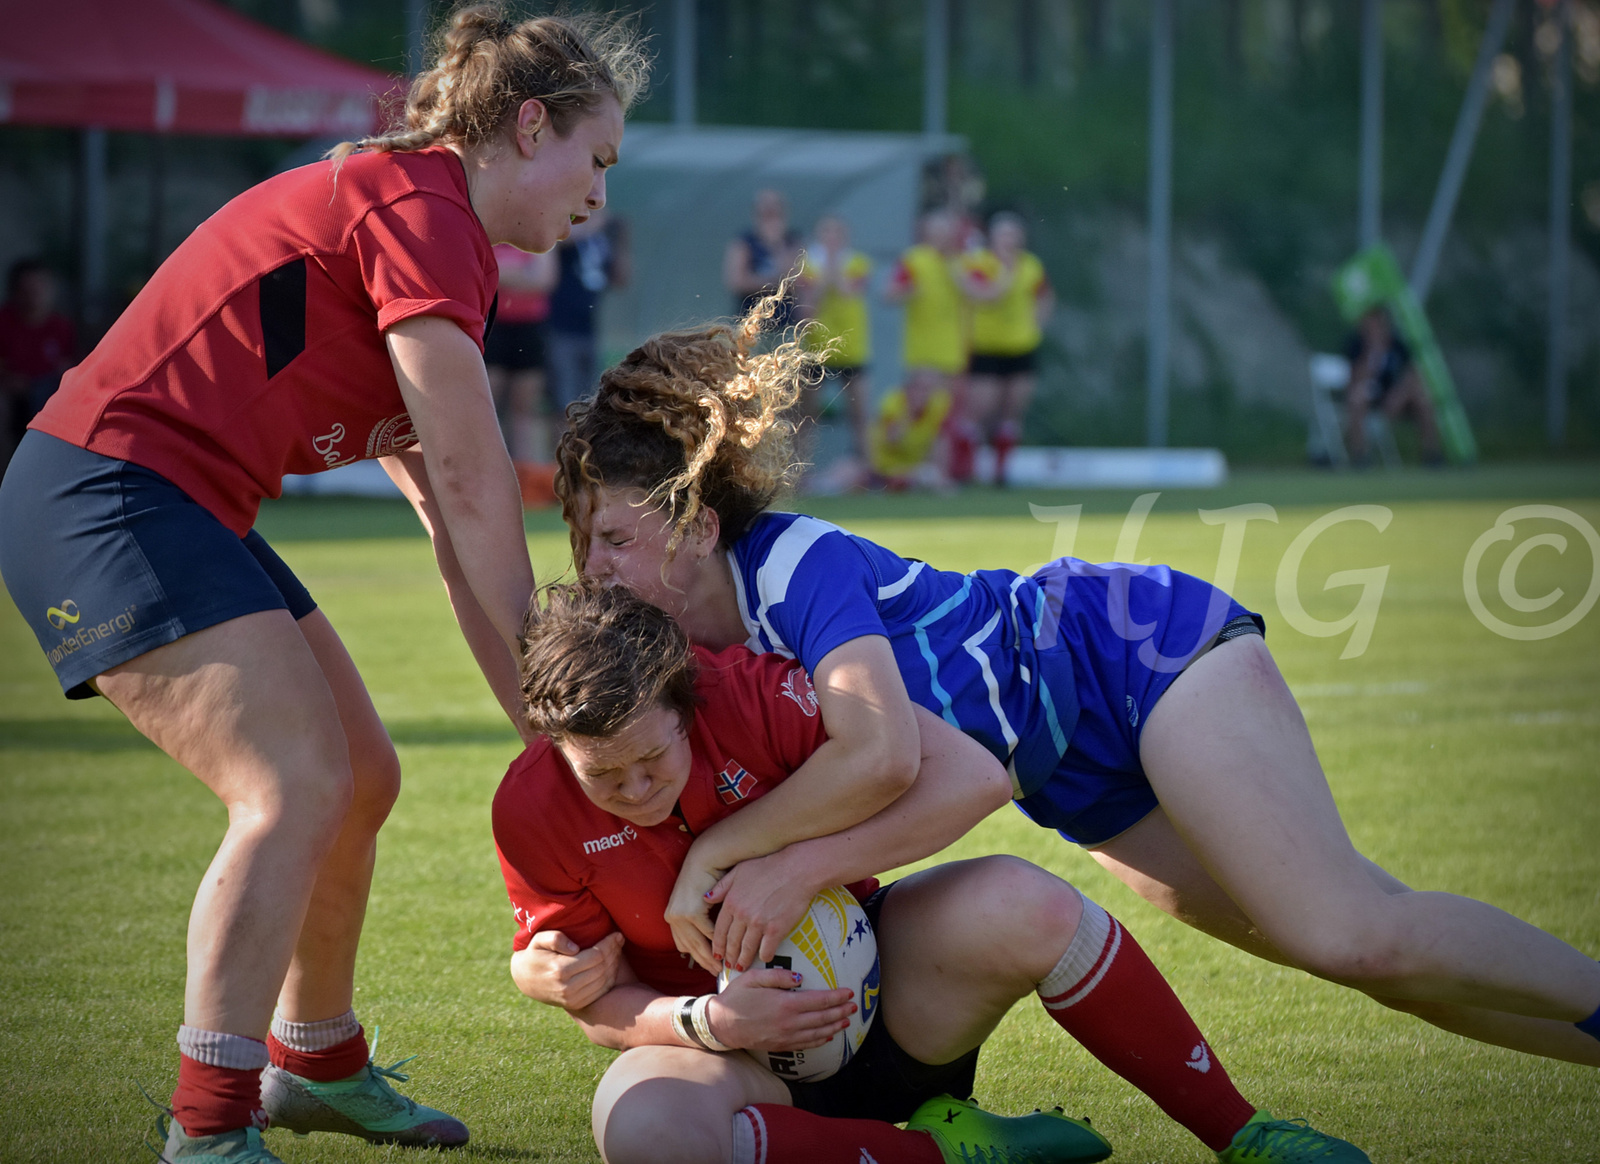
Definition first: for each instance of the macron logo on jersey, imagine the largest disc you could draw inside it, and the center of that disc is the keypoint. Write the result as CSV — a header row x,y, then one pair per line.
x,y
601,844
734,783
797,686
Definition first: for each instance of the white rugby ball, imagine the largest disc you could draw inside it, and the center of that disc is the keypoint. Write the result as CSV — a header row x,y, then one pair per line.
x,y
832,947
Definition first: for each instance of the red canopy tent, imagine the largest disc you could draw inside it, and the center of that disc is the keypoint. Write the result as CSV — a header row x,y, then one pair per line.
x,y
178,66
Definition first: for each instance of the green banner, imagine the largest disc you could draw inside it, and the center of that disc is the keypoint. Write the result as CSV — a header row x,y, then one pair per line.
x,y
1373,279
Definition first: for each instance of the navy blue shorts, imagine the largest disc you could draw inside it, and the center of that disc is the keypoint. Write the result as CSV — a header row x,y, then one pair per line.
x,y
882,1081
1129,631
107,560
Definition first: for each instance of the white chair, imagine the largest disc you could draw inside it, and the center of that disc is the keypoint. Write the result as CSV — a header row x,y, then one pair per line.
x,y
1330,376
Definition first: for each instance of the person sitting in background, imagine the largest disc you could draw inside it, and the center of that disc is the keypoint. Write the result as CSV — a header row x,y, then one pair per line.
x,y
833,292
758,259
1011,299
514,349
36,346
592,260
907,451
1384,377
926,282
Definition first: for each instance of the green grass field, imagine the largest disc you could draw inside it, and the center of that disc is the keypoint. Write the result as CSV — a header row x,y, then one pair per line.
x,y
1462,760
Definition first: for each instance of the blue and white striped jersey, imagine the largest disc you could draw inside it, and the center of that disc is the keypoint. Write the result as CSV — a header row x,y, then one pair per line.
x,y
971,647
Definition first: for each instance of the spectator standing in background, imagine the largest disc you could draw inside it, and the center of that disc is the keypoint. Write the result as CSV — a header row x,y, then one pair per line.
x,y
36,346
1384,377
757,260
927,282
1011,300
514,350
833,292
592,260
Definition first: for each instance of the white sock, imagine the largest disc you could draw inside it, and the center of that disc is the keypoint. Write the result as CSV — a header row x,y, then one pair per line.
x,y
749,1137
308,1038
215,1049
1085,961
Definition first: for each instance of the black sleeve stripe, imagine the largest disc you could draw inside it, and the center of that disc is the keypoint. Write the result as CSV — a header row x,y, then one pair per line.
x,y
494,310
283,315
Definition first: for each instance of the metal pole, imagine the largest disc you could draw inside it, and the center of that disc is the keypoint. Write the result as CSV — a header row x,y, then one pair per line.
x,y
416,36
92,256
1560,226
1371,122
935,65
1460,153
1160,220
683,64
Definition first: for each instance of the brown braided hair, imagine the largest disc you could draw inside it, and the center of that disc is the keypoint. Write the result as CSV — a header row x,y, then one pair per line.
x,y
486,66
696,420
597,658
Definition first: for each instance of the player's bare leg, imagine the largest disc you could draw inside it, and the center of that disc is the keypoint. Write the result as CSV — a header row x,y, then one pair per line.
x,y
320,981
666,1105
1159,866
1229,756
245,707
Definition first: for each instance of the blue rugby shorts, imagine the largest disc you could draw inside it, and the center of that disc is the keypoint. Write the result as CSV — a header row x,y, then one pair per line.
x,y
107,560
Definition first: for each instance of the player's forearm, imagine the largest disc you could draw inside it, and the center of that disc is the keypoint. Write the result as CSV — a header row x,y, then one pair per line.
x,y
959,784
629,1015
498,665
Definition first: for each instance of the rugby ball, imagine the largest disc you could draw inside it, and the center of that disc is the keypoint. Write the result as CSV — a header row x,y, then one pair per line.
x,y
832,947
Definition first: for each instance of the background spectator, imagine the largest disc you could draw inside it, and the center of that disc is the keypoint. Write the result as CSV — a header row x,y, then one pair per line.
x,y
1383,377
757,260
907,442
833,292
36,346
514,351
1011,300
591,261
926,282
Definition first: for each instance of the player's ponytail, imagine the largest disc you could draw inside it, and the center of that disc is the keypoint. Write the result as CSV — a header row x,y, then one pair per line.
x,y
695,419
486,66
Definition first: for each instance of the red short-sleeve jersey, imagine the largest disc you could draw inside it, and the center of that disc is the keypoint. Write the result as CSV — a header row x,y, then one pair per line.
x,y
257,348
571,866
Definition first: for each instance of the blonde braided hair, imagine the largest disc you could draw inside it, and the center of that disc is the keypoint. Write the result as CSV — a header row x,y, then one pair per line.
x,y
695,419
486,67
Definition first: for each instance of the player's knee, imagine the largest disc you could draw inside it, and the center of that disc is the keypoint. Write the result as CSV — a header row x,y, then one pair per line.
x,y
1025,908
644,1128
375,771
1359,952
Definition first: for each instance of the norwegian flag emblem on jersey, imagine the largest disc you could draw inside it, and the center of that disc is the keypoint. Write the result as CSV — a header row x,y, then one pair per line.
x,y
734,784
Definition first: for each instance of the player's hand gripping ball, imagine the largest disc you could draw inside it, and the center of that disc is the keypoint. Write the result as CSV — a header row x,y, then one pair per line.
x,y
832,947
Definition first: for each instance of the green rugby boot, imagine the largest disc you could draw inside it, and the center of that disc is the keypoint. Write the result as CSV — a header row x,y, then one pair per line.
x,y
1265,1140
363,1105
242,1146
966,1134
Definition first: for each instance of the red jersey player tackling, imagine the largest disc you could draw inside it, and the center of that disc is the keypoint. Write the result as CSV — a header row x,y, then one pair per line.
x,y
649,745
334,313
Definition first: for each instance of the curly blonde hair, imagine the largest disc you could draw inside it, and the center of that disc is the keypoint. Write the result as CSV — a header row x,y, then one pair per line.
x,y
695,419
486,66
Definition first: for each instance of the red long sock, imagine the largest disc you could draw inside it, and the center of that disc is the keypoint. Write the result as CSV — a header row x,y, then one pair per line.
x,y
1107,994
773,1133
339,1061
211,1100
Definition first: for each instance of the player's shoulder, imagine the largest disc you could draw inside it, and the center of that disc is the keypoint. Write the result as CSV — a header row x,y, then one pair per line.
x,y
537,784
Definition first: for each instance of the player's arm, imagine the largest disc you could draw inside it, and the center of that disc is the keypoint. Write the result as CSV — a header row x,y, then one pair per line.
x,y
446,391
958,785
759,1010
901,284
410,474
555,970
867,761
1044,302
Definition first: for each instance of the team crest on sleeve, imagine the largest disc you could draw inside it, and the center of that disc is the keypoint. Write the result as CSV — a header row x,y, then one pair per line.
x,y
797,686
734,783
